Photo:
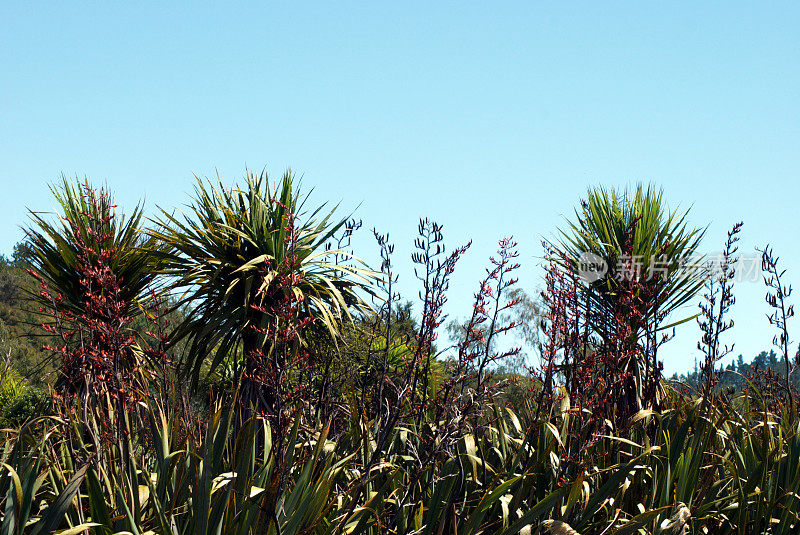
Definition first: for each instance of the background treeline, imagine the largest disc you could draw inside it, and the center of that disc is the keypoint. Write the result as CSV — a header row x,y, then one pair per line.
x,y
736,373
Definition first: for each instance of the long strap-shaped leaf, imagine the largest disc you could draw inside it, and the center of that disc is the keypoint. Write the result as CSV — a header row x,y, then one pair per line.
x,y
52,515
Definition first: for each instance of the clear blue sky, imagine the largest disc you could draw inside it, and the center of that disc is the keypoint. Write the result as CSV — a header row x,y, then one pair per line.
x,y
492,118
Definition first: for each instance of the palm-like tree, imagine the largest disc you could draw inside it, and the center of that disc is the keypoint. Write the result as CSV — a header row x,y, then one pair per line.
x,y
648,251
639,239
245,258
87,224
95,269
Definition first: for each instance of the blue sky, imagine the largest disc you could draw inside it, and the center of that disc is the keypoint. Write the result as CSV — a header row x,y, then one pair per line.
x,y
492,118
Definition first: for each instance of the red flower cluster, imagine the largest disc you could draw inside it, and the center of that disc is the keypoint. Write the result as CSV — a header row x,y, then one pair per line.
x,y
95,343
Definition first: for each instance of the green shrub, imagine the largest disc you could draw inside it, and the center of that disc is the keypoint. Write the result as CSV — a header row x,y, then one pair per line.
x,y
28,403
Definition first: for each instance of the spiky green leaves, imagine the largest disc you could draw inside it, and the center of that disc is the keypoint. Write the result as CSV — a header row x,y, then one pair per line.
x,y
640,240
87,223
234,247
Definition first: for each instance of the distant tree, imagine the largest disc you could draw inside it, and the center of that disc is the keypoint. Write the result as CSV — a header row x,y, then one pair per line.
x,y
772,360
762,360
404,321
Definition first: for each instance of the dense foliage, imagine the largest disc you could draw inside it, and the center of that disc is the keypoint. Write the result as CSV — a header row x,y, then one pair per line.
x,y
237,371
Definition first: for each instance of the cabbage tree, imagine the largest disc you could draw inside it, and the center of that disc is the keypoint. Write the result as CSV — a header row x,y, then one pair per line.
x,y
255,268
